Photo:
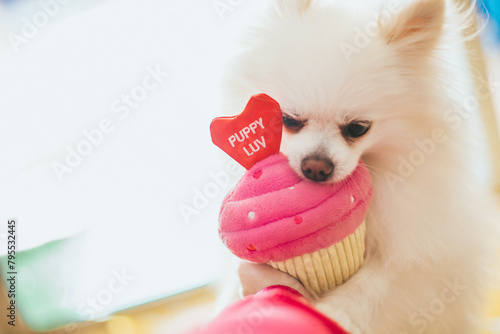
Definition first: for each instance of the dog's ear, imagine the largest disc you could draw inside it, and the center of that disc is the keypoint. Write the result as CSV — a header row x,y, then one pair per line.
x,y
417,28
293,7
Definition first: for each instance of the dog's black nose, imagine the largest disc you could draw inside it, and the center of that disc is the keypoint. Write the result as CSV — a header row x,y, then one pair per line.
x,y
317,169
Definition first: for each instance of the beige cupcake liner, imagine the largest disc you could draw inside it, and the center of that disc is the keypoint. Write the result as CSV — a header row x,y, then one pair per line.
x,y
325,269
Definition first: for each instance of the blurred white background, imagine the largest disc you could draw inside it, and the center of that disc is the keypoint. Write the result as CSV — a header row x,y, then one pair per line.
x,y
124,199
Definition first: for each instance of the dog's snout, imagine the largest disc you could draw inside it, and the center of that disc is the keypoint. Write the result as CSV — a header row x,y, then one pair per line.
x,y
317,169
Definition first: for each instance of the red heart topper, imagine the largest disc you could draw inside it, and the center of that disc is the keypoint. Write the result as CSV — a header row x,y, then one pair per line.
x,y
253,135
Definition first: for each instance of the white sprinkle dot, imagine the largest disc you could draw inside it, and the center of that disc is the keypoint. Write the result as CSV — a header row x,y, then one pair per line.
x,y
291,188
251,215
352,199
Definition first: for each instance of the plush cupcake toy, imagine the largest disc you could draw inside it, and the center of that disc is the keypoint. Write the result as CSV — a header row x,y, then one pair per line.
x,y
312,231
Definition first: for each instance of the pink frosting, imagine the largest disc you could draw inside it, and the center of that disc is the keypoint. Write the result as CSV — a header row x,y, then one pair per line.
x,y
273,214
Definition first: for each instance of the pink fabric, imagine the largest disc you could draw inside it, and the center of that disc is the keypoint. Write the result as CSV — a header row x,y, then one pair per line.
x,y
273,214
275,310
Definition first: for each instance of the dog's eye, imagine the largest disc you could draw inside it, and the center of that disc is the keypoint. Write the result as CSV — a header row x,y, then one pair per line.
x,y
293,124
356,129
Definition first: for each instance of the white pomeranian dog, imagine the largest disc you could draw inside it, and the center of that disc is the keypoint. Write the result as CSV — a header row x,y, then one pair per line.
x,y
386,88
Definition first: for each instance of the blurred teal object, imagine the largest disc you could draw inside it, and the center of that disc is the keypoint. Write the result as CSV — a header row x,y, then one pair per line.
x,y
491,9
40,292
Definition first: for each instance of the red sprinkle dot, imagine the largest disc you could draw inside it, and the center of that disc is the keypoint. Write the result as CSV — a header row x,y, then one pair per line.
x,y
298,220
252,248
257,174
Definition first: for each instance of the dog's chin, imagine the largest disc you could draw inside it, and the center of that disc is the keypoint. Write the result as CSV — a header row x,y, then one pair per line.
x,y
336,178
333,179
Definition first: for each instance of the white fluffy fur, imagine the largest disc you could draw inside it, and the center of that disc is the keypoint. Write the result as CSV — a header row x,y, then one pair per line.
x,y
434,225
